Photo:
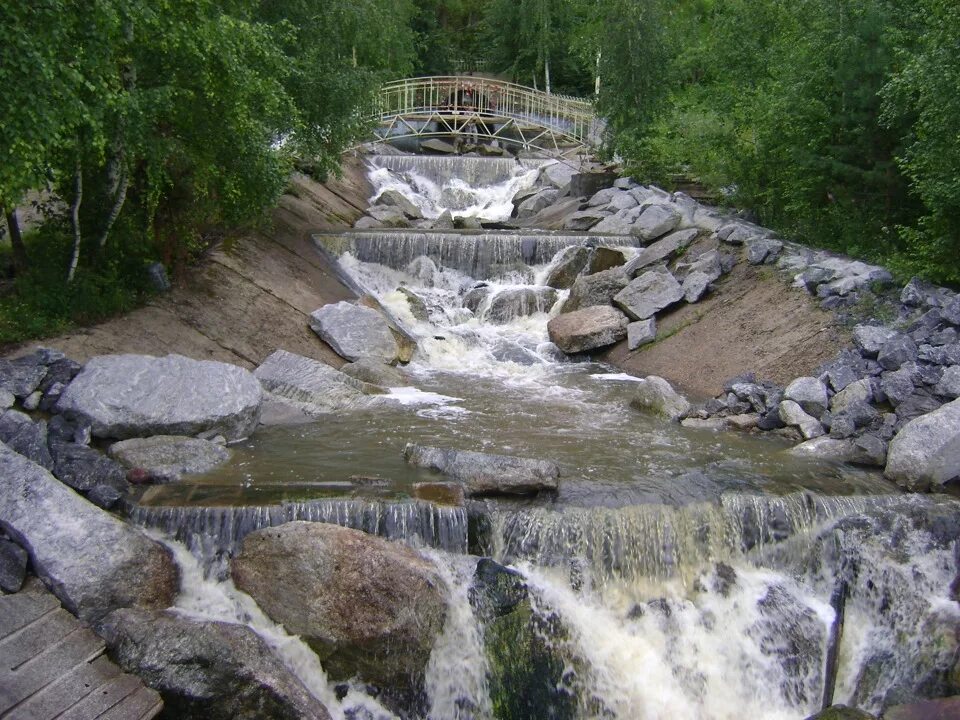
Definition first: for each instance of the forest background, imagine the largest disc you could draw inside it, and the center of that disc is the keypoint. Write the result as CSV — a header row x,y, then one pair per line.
x,y
164,126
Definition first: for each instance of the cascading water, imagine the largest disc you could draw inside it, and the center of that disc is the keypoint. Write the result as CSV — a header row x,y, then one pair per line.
x,y
675,573
467,187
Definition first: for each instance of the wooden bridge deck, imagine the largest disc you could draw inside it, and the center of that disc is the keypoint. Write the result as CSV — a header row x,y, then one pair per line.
x,y
53,666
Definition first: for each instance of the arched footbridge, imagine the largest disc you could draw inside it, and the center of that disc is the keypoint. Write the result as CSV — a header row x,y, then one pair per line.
x,y
479,109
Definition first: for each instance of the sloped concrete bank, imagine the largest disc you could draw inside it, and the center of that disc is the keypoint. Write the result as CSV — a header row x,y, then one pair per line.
x,y
248,297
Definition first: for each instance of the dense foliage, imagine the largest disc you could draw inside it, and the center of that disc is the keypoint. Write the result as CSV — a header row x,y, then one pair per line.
x,y
159,124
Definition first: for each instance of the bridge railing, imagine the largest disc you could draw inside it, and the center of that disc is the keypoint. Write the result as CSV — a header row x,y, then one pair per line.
x,y
455,95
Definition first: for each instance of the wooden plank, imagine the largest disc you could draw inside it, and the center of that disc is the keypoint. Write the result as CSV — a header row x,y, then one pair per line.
x,y
53,699
104,698
21,609
144,703
58,659
29,641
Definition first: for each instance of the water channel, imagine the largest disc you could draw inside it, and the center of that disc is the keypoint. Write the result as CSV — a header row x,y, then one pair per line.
x,y
676,573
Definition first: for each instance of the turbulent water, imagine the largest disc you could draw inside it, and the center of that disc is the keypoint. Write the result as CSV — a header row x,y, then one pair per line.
x,y
467,187
675,574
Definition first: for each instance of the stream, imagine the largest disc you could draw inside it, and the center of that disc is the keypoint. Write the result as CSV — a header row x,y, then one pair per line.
x,y
676,573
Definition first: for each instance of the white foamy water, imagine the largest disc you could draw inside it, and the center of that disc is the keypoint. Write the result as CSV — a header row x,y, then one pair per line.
x,y
437,184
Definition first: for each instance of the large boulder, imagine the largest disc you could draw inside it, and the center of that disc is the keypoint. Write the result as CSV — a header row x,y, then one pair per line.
x,y
661,250
84,468
809,393
593,327
394,198
566,266
925,454
620,223
486,474
649,294
207,670
559,174
123,396
655,221
584,219
368,607
169,457
596,289
655,395
792,415
511,303
641,333
537,202
354,331
93,562
310,385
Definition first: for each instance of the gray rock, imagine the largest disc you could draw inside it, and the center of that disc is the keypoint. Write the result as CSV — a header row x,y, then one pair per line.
x,y
762,250
7,399
625,183
859,391
792,415
622,201
367,223
714,423
665,249
951,311
869,339
737,233
648,294
438,146
207,670
310,385
620,223
949,385
833,450
945,355
92,561
707,218
444,222
418,308
394,198
105,496
641,333
898,386
597,289
509,304
84,468
170,456
605,258
695,286
375,373
486,474
809,393
897,351
582,330
22,375
368,607
584,219
919,294
26,437
840,375
13,566
925,454
873,448
475,297
920,403
709,264
566,266
355,331
655,395
655,221
559,175
535,203
32,401
603,197
123,396
387,216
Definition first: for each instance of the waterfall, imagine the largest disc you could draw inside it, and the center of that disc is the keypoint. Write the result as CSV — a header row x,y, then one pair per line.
x,y
214,534
467,187
480,254
441,169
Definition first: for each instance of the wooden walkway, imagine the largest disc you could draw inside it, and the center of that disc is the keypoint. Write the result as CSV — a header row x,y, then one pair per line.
x,y
53,666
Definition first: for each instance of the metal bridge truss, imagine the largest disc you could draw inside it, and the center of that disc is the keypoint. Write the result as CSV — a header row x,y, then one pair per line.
x,y
483,109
